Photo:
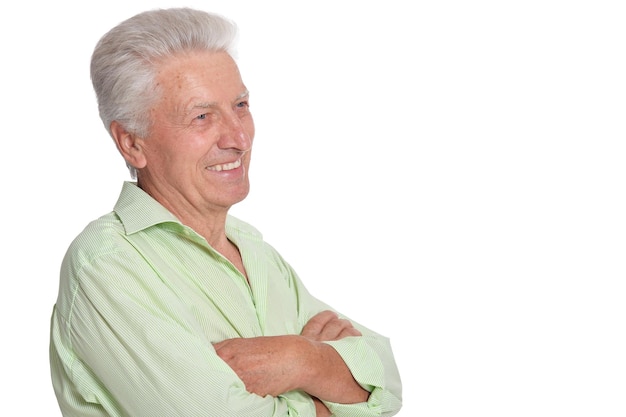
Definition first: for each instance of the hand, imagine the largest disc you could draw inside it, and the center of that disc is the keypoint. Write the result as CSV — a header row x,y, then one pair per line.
x,y
326,326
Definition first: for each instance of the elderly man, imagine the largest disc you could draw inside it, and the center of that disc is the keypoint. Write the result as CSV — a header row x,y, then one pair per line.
x,y
169,306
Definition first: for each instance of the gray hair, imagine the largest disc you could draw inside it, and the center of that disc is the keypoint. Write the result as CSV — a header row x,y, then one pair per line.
x,y
124,61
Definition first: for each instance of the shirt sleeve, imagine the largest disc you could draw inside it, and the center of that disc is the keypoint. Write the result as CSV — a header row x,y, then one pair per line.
x,y
124,344
369,357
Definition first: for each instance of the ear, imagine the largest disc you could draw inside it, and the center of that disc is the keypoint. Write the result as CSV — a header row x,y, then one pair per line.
x,y
129,145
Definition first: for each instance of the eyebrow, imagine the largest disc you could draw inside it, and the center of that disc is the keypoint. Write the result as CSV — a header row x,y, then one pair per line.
x,y
208,104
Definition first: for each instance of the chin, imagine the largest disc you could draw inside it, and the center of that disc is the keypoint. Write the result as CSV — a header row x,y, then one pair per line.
x,y
239,196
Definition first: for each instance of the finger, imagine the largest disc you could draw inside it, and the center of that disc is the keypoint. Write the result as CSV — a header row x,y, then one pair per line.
x,y
348,332
334,328
317,323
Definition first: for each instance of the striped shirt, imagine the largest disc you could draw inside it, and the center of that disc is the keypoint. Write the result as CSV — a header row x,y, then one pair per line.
x,y
142,298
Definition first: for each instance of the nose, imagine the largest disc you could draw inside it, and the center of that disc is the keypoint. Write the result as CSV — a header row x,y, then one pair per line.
x,y
237,133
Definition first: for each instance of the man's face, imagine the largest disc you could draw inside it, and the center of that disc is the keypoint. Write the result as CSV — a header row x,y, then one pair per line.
x,y
198,152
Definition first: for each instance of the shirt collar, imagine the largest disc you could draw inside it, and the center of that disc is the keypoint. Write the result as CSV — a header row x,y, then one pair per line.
x,y
137,210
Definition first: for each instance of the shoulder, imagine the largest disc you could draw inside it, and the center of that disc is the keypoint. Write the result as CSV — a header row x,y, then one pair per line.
x,y
100,238
90,257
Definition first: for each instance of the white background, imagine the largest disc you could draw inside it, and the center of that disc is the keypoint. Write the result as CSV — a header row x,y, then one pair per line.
x,y
448,173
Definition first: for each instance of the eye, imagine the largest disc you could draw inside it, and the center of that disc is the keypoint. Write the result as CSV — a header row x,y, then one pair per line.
x,y
243,104
202,116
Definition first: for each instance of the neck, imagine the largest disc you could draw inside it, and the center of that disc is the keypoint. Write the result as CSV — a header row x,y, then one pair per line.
x,y
209,222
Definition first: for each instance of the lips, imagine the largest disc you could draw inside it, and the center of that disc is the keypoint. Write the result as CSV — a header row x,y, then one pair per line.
x,y
225,167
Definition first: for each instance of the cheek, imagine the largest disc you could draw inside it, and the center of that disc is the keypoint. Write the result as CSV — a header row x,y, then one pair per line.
x,y
250,130
168,154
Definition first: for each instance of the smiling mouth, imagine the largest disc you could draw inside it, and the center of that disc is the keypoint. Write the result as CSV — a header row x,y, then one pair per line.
x,y
225,167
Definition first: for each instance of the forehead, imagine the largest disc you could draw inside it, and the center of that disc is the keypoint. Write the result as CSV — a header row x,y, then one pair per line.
x,y
202,73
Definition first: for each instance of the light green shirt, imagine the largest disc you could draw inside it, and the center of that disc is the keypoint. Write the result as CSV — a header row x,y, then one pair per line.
x,y
143,297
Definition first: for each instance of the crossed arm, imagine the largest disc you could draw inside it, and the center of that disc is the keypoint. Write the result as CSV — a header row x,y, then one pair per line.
x,y
273,365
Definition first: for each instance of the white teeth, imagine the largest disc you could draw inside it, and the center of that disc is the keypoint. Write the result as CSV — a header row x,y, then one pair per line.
x,y
225,167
